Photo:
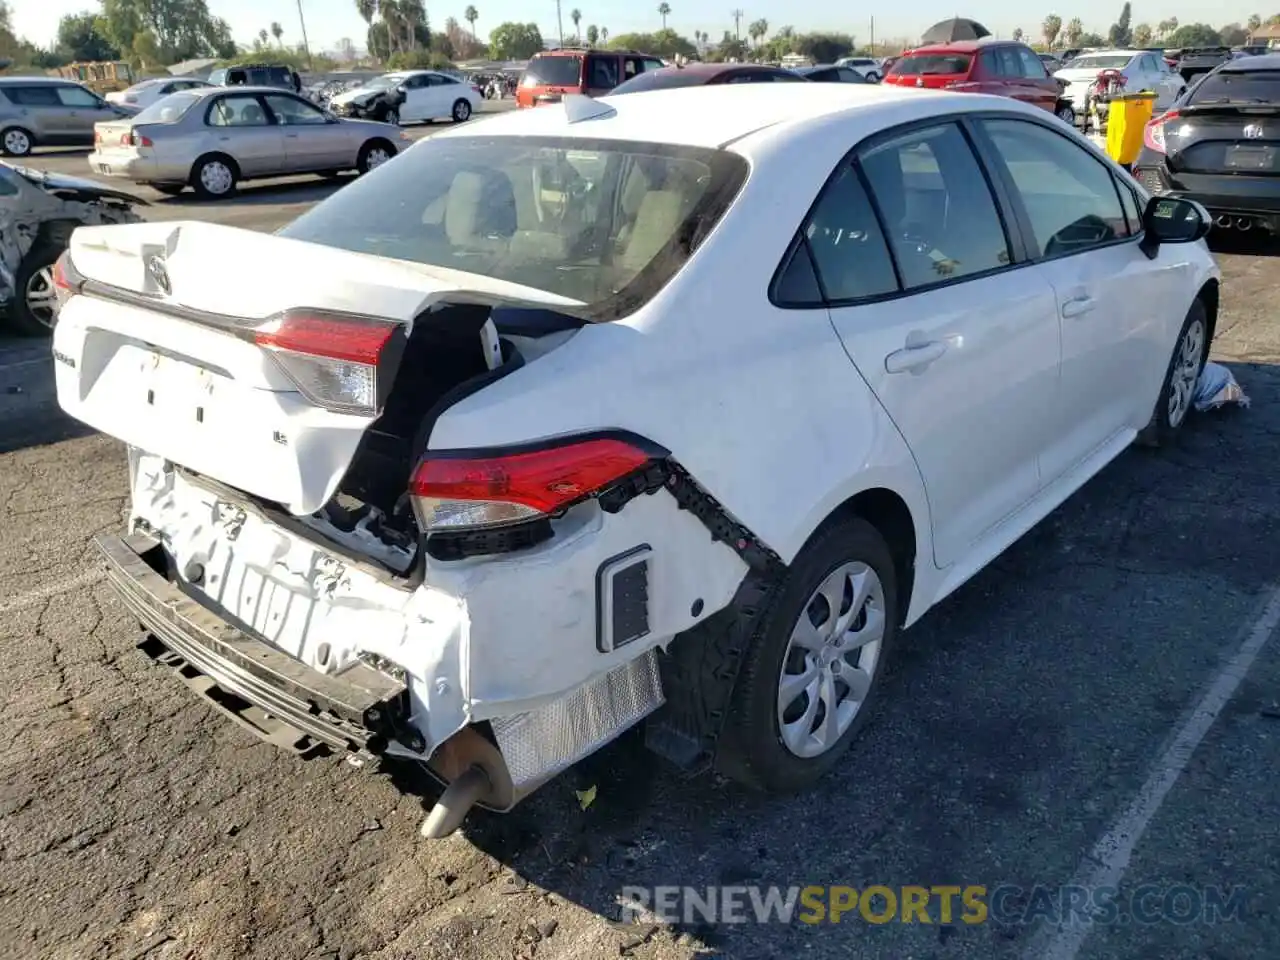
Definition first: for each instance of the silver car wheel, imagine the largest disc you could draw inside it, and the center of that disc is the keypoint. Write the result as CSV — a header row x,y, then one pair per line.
x,y
461,111
376,157
1067,115
831,659
1186,372
42,297
17,143
215,176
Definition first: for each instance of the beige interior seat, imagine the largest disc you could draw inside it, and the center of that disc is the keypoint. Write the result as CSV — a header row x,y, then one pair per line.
x,y
479,212
657,218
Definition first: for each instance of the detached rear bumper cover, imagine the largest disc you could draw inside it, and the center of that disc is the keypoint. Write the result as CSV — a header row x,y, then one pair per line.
x,y
295,704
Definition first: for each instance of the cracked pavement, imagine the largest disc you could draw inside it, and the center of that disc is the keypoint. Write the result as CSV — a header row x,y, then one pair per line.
x,y
1020,718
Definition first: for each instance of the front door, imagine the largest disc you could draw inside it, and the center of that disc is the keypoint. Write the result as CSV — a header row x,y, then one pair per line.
x,y
960,348
1042,89
1111,304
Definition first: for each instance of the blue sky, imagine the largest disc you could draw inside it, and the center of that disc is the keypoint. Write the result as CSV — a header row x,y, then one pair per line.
x,y
330,20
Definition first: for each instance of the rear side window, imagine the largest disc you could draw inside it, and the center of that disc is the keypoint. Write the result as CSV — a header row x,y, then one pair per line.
x,y
168,109
937,207
1258,86
602,73
34,96
925,64
1032,65
553,72
849,251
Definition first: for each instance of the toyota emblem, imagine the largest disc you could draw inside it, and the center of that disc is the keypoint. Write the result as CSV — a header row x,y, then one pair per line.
x,y
1253,131
157,272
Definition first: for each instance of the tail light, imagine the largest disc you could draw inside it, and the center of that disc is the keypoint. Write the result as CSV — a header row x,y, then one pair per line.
x,y
337,361
97,137
469,493
66,280
135,140
1153,132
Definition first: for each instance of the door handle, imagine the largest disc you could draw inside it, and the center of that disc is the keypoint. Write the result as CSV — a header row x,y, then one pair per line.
x,y
1078,306
910,359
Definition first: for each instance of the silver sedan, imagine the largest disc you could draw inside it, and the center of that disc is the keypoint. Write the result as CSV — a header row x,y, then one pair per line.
x,y
212,138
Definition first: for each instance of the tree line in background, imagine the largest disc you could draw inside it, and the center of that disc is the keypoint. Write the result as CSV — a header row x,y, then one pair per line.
x,y
152,34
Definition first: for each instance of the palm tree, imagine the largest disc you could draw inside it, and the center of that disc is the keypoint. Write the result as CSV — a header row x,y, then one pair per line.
x,y
593,35
576,16
412,13
1255,22
1050,29
471,16
604,35
1075,30
262,37
277,31
664,11
757,30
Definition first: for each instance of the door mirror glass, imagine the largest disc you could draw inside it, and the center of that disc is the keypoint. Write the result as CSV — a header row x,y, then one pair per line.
x,y
1171,220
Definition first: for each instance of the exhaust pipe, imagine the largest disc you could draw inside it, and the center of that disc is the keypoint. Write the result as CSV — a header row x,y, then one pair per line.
x,y
1222,220
1243,223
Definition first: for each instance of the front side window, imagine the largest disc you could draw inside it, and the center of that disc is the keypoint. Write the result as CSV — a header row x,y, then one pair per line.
x,y
1032,66
848,249
78,97
938,210
239,111
291,111
1070,196
605,223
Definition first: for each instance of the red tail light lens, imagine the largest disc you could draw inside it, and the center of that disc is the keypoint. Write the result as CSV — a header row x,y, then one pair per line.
x,y
135,140
66,281
1153,132
335,360
465,493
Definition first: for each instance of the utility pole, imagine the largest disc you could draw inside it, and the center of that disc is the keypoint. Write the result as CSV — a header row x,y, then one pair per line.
x,y
737,20
559,23
305,46
873,36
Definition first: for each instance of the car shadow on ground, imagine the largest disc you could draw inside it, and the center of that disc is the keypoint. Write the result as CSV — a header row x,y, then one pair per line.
x,y
305,190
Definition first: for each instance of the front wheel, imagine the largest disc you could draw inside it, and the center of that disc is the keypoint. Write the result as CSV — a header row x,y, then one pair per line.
x,y
815,661
1067,114
461,111
35,306
1177,393
374,154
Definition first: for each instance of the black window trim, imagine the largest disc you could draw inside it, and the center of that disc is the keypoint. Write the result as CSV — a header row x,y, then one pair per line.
x,y
992,158
1014,228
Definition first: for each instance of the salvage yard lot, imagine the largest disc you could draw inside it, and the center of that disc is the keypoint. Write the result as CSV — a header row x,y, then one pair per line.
x,y
1021,720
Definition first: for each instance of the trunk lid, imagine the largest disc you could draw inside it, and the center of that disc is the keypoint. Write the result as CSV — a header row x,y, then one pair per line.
x,y
163,346
1226,138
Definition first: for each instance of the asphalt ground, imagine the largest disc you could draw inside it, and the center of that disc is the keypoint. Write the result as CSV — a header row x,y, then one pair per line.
x,y
1100,706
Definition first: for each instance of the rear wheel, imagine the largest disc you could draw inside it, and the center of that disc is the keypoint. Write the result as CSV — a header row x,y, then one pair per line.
x,y
816,659
1177,393
1066,113
15,142
461,111
214,178
34,306
374,154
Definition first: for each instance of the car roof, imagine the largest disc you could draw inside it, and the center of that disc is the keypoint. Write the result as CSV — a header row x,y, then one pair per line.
x,y
715,115
1263,61
214,90
1118,52
963,46
52,81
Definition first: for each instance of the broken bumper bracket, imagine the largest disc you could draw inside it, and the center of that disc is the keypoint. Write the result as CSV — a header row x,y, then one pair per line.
x,y
265,691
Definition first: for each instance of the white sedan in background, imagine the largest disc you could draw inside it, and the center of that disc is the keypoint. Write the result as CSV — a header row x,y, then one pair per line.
x,y
673,407
1141,69
411,96
147,92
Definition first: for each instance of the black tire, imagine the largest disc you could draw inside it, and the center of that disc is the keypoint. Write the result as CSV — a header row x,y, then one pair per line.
x,y
389,115
202,172
751,749
23,319
168,189
16,142
461,111
369,153
1167,423
1066,113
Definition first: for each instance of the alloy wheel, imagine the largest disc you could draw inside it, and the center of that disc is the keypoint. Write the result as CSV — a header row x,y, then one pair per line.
x,y
41,296
17,143
1186,372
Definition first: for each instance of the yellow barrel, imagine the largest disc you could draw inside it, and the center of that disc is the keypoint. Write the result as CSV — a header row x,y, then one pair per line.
x,y
1127,115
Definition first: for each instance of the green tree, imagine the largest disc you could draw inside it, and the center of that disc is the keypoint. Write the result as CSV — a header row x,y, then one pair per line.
x,y
593,35
419,59
1073,31
179,29
1121,34
83,36
471,15
1050,29
1234,35
1092,40
824,47
663,43
664,11
1166,27
514,41
604,34
277,31
1142,34
1017,34
1254,22
1194,35
576,16
262,38
756,30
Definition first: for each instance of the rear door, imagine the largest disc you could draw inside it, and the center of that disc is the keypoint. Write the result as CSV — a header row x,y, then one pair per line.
x,y
244,129
40,111
1112,304
602,73
959,347
1042,89
311,142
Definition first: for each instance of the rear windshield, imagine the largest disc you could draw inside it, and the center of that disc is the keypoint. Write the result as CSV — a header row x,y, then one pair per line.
x,y
604,222
922,64
553,72
167,109
1101,63
660,80
1259,86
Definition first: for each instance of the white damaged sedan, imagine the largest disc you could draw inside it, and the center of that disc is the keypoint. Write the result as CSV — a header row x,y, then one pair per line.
x,y
676,408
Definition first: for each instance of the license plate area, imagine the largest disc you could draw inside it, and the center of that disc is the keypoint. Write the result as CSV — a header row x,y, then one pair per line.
x,y
179,392
105,168
1251,158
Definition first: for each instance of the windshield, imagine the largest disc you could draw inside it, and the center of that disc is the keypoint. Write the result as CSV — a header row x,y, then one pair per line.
x,y
1261,86
167,109
1107,62
603,222
383,82
553,72
144,85
920,64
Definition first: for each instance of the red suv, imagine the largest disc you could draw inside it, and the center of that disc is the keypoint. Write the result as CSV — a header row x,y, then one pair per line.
x,y
1004,68
553,73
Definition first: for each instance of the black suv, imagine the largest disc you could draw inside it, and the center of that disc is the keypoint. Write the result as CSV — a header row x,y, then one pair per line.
x,y
257,75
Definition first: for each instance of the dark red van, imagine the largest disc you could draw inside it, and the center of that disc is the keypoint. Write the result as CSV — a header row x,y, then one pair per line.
x,y
553,73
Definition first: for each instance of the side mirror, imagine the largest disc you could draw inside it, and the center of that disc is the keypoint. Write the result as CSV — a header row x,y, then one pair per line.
x,y
1173,220
403,88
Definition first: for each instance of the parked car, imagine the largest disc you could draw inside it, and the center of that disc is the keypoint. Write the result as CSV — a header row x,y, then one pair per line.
x,y
1220,145
674,408
1051,63
1139,70
1194,61
276,75
410,96
553,73
38,212
147,92
50,112
1003,68
831,73
868,67
701,74
213,138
